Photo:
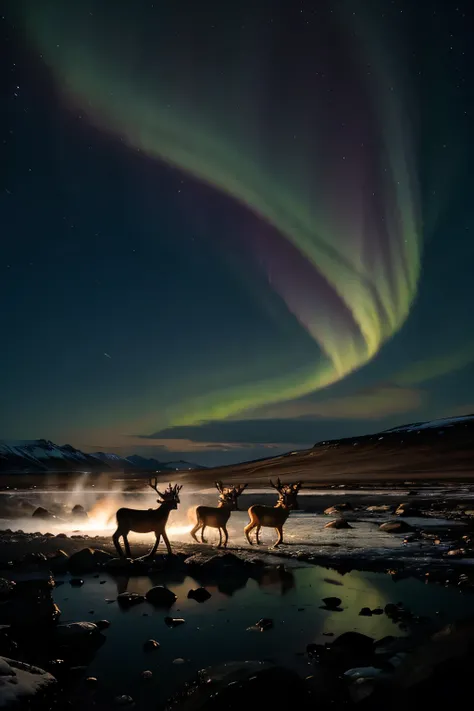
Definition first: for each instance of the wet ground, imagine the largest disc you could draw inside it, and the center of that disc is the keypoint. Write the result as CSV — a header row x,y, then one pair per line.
x,y
218,629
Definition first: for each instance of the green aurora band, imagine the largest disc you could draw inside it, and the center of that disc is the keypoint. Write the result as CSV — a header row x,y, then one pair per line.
x,y
146,93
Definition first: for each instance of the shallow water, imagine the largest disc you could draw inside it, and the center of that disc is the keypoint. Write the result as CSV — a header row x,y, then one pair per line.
x,y
217,630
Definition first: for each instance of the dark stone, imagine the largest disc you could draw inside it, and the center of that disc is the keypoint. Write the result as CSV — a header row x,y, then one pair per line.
x,y
161,596
79,512
396,527
200,595
129,599
174,621
264,624
76,582
338,523
102,624
365,612
238,685
43,514
150,645
88,560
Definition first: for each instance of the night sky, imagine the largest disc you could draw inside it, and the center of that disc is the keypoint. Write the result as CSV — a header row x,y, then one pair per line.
x,y
233,229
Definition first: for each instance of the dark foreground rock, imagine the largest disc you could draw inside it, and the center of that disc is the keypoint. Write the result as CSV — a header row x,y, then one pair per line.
x,y
160,596
24,685
396,527
88,560
241,685
338,523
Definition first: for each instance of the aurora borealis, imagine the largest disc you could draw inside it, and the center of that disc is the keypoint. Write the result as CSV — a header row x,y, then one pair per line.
x,y
307,161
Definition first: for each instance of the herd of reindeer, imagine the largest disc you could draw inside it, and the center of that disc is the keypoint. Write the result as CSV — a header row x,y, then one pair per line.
x,y
155,520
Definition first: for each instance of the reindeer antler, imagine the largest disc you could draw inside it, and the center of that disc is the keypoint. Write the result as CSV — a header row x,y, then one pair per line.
x,y
219,486
153,482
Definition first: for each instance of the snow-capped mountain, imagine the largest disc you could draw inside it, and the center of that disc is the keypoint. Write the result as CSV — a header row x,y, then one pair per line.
x,y
41,455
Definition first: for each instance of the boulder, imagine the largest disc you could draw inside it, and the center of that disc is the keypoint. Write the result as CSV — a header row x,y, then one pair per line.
x,y
396,527
150,645
43,514
338,523
160,596
238,685
337,508
58,563
7,588
78,512
23,684
87,560
76,632
174,621
407,509
129,599
30,605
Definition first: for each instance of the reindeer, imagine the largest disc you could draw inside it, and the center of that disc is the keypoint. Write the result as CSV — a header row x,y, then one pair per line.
x,y
217,517
274,516
147,521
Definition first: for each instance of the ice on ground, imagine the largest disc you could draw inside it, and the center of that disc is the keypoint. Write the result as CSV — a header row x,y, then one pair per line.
x,y
20,682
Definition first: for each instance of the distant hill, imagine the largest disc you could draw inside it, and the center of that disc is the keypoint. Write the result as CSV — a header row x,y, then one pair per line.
x,y
41,455
437,449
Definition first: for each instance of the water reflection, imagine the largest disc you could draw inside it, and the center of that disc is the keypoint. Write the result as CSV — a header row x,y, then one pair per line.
x,y
274,580
216,631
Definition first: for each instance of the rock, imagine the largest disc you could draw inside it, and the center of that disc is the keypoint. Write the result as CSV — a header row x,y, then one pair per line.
x,y
407,509
179,660
382,508
161,596
238,685
216,563
88,560
43,514
23,684
337,508
61,535
123,700
76,582
150,645
91,681
363,672
338,523
200,595
59,562
76,632
147,674
396,527
102,624
79,512
332,603
264,624
377,611
7,588
31,604
365,612
174,621
129,599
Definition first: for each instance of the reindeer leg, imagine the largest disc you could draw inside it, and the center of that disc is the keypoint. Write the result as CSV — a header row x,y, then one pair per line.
x,y
116,538
247,530
151,554
226,535
126,544
256,535
194,531
280,537
220,537
167,542
203,540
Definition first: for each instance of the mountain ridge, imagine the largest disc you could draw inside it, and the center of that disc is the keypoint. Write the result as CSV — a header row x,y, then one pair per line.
x,y
42,455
